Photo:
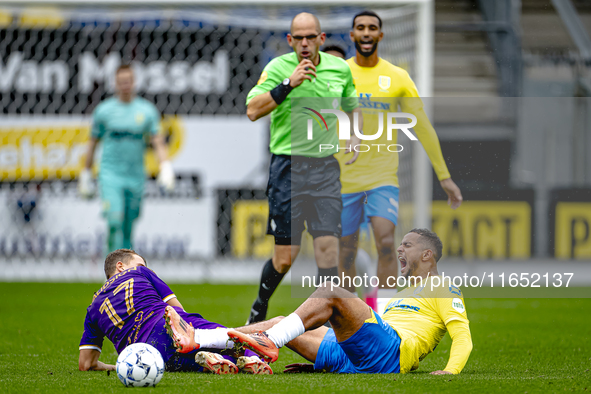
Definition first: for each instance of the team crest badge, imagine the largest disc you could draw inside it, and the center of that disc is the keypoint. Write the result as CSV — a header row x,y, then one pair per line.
x,y
139,118
383,82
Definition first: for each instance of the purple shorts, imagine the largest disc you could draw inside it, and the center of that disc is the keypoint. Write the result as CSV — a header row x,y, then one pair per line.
x,y
185,362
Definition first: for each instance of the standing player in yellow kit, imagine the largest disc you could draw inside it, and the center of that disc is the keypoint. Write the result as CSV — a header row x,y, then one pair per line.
x,y
370,185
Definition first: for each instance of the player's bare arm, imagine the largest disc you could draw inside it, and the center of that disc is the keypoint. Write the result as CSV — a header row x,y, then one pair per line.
x,y
454,195
88,361
264,104
159,147
259,106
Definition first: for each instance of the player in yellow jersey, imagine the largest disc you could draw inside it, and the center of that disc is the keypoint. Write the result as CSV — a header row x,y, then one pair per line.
x,y
370,185
361,341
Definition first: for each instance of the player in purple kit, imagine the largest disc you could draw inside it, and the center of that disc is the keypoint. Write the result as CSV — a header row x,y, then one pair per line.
x,y
134,305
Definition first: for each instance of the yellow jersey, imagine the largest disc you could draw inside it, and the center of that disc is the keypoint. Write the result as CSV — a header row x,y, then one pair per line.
x,y
419,314
382,89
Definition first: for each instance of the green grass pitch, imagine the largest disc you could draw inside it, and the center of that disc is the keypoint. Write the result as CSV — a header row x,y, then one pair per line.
x,y
520,345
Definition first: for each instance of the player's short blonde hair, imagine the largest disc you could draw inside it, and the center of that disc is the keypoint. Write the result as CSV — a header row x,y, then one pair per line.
x,y
123,255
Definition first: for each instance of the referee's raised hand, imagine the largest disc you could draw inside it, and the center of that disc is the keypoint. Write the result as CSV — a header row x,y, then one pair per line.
x,y
303,71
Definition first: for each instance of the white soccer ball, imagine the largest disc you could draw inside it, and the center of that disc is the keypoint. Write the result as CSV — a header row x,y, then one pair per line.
x,y
140,365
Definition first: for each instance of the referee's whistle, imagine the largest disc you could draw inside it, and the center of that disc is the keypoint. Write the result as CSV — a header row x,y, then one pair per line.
x,y
313,79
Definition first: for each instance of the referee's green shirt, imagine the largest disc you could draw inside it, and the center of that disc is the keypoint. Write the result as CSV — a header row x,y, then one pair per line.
x,y
333,80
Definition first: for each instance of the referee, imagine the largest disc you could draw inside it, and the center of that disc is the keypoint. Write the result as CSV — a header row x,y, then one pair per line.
x,y
304,74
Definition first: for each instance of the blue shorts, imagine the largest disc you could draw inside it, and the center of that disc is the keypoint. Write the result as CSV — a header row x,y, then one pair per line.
x,y
359,207
374,348
185,362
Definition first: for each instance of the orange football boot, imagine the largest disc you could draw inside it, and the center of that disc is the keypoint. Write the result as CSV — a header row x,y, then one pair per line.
x,y
258,342
181,332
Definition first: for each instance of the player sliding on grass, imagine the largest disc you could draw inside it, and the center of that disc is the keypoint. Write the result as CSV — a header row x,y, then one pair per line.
x,y
362,341
134,305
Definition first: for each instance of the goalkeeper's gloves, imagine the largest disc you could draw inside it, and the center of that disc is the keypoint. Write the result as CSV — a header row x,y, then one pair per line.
x,y
85,184
166,176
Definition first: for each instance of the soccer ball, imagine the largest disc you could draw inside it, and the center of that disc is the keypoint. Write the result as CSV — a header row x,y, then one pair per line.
x,y
140,365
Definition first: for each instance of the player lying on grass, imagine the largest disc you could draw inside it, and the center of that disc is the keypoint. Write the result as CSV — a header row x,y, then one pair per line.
x,y
361,341
134,305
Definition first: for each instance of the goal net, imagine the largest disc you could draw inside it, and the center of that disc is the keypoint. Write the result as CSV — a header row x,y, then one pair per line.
x,y
196,62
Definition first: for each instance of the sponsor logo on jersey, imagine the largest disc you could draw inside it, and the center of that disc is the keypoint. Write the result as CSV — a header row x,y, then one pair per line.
x,y
365,101
399,305
408,307
458,305
120,134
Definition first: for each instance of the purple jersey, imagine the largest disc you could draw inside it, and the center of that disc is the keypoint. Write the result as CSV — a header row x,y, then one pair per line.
x,y
125,309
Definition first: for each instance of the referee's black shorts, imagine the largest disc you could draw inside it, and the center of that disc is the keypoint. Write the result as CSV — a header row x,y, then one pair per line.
x,y
303,189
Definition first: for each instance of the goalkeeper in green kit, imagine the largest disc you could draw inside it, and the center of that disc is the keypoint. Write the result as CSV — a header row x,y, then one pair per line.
x,y
122,124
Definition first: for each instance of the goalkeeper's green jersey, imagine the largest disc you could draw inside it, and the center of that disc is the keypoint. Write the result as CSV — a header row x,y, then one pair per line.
x,y
289,135
124,130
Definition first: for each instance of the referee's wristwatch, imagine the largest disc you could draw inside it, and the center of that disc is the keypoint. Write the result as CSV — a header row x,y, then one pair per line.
x,y
279,94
